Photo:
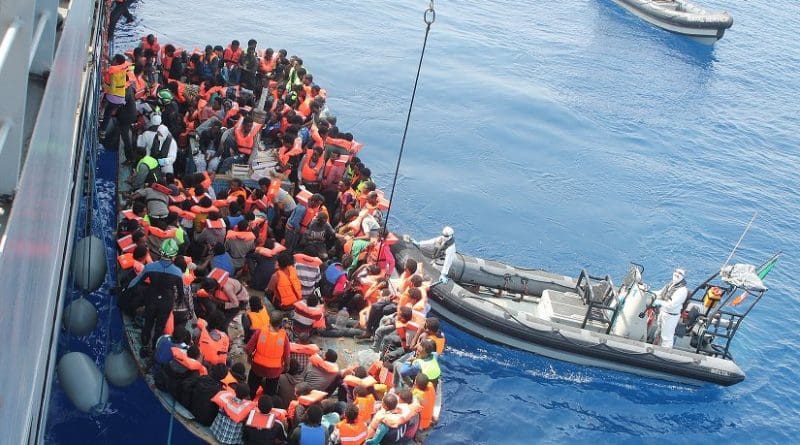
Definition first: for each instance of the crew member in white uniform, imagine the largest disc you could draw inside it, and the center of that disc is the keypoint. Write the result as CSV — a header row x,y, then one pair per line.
x,y
443,246
670,299
146,141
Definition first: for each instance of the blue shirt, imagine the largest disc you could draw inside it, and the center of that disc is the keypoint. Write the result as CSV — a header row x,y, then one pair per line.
x,y
224,262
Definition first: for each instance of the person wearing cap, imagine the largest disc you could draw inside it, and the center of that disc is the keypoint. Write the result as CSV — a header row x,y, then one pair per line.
x,y
441,247
165,285
670,300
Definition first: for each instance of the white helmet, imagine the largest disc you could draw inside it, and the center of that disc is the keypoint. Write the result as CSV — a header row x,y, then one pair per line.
x,y
447,232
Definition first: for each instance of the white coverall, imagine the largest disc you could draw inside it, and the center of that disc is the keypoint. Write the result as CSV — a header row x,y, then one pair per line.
x,y
670,312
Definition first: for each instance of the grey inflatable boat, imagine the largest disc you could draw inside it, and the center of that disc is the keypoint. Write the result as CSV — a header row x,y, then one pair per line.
x,y
681,17
590,321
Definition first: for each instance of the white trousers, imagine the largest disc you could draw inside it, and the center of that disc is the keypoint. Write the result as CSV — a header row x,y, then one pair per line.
x,y
667,324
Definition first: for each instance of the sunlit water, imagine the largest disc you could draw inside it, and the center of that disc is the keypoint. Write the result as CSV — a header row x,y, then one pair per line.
x,y
561,135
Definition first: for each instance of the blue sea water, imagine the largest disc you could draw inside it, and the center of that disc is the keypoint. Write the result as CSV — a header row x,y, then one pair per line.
x,y
560,135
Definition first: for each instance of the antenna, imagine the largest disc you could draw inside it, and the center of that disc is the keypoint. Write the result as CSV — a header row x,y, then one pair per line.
x,y
740,239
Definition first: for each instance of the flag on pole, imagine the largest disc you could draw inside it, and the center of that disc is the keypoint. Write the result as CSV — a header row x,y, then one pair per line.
x,y
762,272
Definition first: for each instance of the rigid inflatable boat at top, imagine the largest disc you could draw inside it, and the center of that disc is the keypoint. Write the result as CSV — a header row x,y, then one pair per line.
x,y
589,320
681,17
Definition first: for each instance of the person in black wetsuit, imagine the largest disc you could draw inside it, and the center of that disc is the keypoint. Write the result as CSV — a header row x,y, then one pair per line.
x,y
166,284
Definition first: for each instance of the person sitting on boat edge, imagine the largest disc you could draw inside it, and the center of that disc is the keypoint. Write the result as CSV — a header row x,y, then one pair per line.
x,y
442,247
670,300
426,362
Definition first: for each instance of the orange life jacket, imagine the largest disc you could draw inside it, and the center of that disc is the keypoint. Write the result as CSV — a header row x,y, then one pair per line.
x,y
427,399
288,286
382,374
231,57
183,214
154,46
269,253
352,381
309,316
219,275
126,261
272,191
315,396
162,234
269,349
352,433
310,172
259,420
259,320
309,216
265,65
237,410
261,204
141,88
366,408
242,236
246,142
181,357
318,362
309,349
214,350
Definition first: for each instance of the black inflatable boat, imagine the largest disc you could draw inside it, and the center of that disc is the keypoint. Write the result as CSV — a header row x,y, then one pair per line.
x,y
590,321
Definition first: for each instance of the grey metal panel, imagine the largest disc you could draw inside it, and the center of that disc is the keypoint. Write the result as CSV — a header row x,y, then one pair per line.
x,y
34,258
16,17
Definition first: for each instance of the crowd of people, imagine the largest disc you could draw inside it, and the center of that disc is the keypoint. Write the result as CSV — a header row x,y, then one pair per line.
x,y
299,253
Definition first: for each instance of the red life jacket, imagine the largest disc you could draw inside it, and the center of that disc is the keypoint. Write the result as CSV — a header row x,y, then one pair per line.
x,y
260,421
219,275
215,224
236,409
180,356
126,261
231,57
126,244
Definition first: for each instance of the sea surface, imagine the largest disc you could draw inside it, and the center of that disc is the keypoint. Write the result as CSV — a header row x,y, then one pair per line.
x,y
560,135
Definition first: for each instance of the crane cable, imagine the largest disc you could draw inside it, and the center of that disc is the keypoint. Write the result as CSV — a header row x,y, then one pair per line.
x,y
429,17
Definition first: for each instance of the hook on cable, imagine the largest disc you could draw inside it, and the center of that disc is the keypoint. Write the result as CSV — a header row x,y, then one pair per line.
x,y
430,15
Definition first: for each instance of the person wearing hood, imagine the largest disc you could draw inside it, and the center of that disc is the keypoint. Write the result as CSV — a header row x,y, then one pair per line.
x,y
159,144
670,300
441,247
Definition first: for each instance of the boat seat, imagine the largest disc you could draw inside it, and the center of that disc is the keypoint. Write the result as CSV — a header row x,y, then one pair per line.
x,y
565,308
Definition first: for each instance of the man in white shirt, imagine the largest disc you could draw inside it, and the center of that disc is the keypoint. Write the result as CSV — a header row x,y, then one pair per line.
x,y
159,150
670,299
443,246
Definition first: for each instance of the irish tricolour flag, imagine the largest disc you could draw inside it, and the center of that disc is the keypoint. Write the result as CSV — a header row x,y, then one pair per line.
x,y
762,272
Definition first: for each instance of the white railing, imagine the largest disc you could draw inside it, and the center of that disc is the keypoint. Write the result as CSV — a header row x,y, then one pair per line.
x,y
28,30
